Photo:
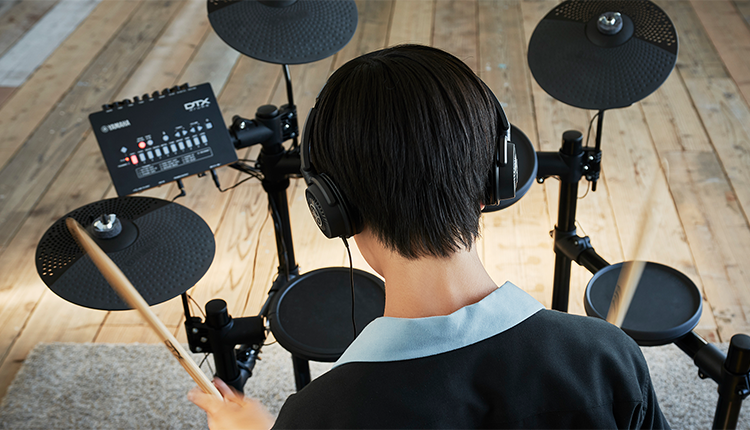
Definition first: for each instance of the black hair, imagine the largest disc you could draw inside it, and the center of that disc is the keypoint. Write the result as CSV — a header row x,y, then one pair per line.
x,y
408,134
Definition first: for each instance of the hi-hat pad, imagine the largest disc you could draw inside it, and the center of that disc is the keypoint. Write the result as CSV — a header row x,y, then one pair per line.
x,y
603,54
284,31
163,249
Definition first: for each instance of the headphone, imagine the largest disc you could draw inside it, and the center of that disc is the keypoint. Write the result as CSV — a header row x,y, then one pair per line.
x,y
336,217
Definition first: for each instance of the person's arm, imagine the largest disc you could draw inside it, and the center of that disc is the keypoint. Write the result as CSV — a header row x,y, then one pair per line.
x,y
235,412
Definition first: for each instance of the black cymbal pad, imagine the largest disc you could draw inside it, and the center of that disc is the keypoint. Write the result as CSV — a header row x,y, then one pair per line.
x,y
577,63
284,32
163,249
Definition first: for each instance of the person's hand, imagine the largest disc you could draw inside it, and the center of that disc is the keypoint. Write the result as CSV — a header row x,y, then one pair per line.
x,y
234,412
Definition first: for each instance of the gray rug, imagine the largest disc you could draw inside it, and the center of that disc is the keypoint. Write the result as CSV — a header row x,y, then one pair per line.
x,y
82,386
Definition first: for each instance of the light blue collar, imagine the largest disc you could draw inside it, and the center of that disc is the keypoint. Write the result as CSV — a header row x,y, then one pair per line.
x,y
393,339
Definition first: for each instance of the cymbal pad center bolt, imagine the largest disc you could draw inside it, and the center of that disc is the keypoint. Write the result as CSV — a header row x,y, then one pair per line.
x,y
609,23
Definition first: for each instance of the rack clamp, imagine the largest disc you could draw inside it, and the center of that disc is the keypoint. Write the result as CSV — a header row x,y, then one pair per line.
x,y
570,244
591,163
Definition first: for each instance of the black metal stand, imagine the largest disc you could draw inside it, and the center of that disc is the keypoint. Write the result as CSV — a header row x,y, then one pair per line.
x,y
221,334
729,371
570,164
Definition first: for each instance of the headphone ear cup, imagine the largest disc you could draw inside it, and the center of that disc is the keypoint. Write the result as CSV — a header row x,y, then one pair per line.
x,y
329,209
509,175
502,180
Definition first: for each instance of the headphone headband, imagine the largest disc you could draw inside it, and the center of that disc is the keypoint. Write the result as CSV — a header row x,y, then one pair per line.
x,y
337,218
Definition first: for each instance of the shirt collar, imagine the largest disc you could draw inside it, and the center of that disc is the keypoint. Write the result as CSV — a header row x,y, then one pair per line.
x,y
393,339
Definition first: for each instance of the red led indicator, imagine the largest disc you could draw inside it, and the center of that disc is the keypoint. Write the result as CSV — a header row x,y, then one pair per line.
x,y
134,159
142,144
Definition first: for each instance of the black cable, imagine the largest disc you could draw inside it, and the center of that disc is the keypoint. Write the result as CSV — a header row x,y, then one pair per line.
x,y
351,280
591,123
238,183
587,191
197,305
252,171
182,190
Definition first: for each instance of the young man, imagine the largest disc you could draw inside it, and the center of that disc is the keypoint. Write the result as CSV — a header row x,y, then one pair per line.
x,y
408,135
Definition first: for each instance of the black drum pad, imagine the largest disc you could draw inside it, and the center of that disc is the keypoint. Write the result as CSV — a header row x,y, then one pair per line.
x,y
284,32
168,248
312,318
666,306
576,64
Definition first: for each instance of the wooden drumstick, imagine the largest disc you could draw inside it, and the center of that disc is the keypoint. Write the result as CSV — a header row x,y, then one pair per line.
x,y
631,272
127,291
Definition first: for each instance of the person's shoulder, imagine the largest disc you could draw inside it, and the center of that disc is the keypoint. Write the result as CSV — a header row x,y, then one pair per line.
x,y
324,400
584,338
583,327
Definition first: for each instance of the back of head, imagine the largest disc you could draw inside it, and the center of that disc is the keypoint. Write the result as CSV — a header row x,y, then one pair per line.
x,y
408,134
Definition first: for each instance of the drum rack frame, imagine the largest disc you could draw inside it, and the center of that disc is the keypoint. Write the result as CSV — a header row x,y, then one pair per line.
x,y
572,163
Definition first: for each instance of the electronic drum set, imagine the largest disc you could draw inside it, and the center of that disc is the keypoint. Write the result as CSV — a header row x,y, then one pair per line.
x,y
595,55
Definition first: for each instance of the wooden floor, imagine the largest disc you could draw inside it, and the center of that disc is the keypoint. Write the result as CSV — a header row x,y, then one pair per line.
x,y
61,60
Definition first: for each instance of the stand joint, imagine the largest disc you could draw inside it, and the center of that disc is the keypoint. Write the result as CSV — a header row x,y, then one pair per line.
x,y
570,244
591,164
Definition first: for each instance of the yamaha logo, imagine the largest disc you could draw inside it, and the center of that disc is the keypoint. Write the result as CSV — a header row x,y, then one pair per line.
x,y
115,126
317,213
197,105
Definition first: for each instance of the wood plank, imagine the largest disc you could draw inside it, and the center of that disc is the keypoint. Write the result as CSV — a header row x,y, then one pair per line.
x,y
371,33
39,160
82,180
213,63
6,5
743,7
31,50
31,103
74,183
517,245
5,93
718,235
173,52
724,114
676,127
633,166
672,118
20,287
720,105
19,17
455,30
731,37
413,22
110,333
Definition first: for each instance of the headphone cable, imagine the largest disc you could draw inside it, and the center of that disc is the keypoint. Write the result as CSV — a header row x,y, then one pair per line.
x,y
351,280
